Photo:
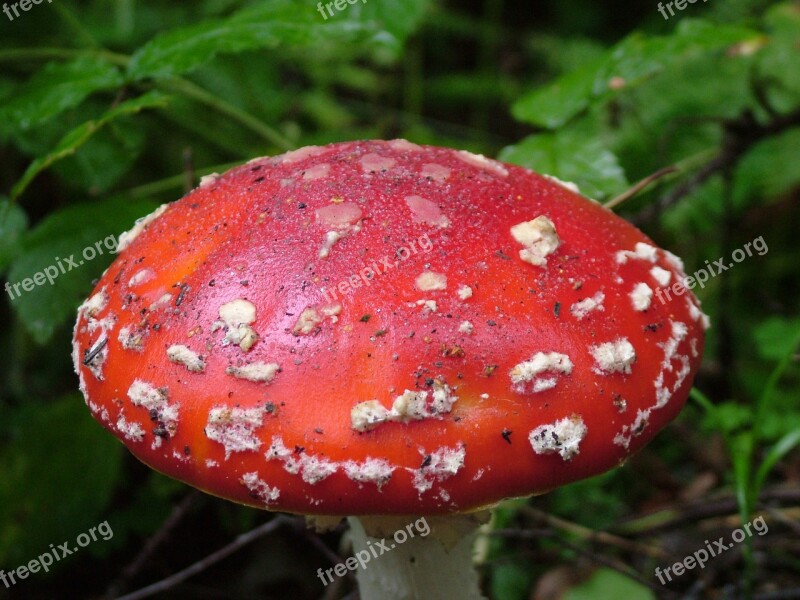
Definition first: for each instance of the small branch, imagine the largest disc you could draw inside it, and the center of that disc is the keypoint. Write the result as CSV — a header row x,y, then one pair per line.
x,y
177,85
630,193
75,24
591,535
619,567
691,512
174,182
210,560
23,54
739,136
175,517
314,540
785,519
792,594
522,534
197,93
681,190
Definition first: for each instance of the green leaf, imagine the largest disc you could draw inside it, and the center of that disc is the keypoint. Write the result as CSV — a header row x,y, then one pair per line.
x,y
267,25
325,111
105,158
54,89
552,106
561,53
76,138
784,419
770,169
392,21
721,89
573,156
66,235
700,215
785,445
607,584
740,448
771,386
781,50
628,64
59,473
774,339
13,222
729,417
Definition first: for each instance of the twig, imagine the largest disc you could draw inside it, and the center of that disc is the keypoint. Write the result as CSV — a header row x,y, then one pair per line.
x,y
153,188
638,187
210,560
315,541
618,567
690,512
524,534
683,189
591,535
334,590
195,92
793,594
785,519
83,34
175,517
696,588
739,136
38,54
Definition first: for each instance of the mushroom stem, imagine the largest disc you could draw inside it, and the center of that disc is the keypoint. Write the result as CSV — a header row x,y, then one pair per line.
x,y
428,558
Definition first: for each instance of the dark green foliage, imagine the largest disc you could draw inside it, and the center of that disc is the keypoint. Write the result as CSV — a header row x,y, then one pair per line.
x,y
59,473
109,108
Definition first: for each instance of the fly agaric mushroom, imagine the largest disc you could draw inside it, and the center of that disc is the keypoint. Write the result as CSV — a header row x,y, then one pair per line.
x,y
383,329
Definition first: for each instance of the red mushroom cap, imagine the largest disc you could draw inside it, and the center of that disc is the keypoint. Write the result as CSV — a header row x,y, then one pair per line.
x,y
385,328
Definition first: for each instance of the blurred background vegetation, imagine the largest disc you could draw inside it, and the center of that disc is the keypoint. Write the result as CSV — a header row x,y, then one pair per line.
x,y
111,107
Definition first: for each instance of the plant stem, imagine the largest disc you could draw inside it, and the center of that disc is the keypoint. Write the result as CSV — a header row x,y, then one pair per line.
x,y
74,23
195,92
176,85
153,188
22,54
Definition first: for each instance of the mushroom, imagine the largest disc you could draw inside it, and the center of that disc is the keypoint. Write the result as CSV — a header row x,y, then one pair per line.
x,y
387,331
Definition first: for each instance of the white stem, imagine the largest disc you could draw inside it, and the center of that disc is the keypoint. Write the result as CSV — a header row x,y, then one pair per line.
x,y
428,558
